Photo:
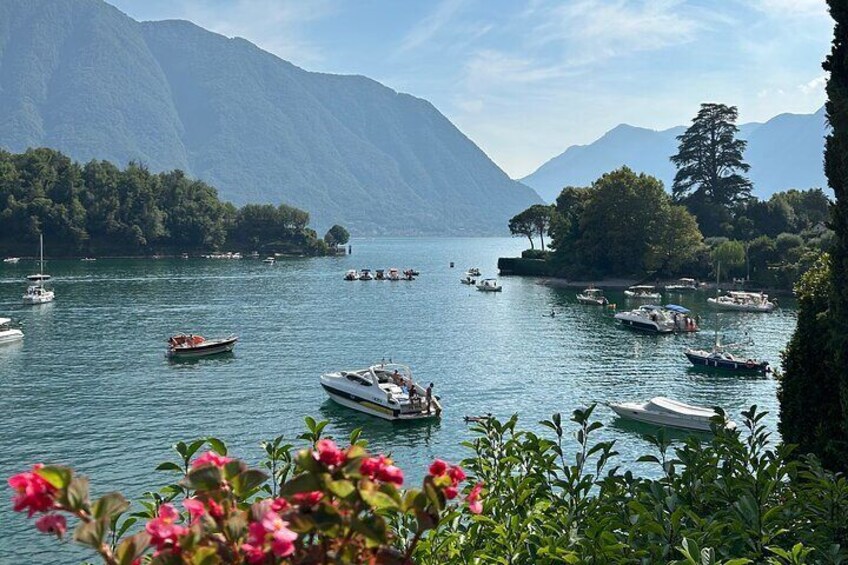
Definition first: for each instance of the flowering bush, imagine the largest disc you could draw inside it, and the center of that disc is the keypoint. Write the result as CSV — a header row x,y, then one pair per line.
x,y
337,506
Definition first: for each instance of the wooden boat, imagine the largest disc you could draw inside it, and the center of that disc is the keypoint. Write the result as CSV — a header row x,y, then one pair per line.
x,y
191,346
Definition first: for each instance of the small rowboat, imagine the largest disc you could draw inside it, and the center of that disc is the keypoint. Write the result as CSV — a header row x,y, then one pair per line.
x,y
191,346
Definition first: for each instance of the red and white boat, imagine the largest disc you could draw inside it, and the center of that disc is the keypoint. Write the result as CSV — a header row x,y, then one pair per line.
x,y
190,346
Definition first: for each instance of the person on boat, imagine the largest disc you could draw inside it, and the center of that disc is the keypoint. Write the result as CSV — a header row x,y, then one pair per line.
x,y
413,395
396,378
429,395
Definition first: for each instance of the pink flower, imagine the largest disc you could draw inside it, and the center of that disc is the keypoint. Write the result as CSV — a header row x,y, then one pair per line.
x,y
32,492
279,504
329,453
391,474
195,508
451,492
215,509
308,498
456,474
473,499
52,524
381,469
438,468
163,529
270,534
210,458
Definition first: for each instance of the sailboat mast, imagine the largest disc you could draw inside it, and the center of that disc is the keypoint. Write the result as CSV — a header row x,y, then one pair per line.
x,y
41,252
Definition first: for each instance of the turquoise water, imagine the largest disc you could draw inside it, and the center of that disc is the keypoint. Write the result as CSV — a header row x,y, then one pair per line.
x,y
90,386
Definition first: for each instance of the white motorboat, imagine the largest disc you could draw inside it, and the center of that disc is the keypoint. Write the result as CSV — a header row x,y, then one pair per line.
x,y
473,272
351,275
468,279
269,260
365,275
743,302
489,285
642,292
656,319
88,259
682,285
8,334
37,294
394,275
192,346
387,391
593,296
664,411
11,260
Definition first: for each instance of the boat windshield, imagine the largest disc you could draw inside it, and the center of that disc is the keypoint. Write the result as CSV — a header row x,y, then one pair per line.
x,y
389,372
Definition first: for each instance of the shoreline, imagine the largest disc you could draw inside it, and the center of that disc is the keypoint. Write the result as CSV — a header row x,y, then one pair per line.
x,y
623,284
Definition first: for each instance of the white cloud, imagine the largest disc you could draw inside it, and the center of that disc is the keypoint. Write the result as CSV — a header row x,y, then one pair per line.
x,y
814,86
430,26
489,66
591,30
784,8
273,25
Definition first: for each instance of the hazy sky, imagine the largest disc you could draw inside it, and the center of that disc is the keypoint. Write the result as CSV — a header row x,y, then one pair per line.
x,y
526,80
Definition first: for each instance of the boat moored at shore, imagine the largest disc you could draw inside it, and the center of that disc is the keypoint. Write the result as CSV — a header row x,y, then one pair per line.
x,y
387,391
593,296
743,302
642,292
682,285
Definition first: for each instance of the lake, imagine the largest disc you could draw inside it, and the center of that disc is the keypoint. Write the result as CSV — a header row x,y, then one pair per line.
x,y
90,386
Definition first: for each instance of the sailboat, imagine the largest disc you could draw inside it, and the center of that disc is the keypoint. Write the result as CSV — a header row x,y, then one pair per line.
x,y
36,293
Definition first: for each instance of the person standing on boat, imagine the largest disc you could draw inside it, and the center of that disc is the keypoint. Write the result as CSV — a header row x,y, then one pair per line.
x,y
429,396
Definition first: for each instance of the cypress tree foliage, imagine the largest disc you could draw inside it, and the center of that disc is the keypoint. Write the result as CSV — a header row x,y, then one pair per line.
x,y
836,170
814,387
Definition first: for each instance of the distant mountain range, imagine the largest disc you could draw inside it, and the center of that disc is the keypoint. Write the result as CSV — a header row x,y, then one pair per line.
x,y
784,152
82,77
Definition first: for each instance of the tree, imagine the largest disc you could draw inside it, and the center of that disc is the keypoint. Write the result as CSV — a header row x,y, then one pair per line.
x,y
728,255
818,354
709,165
337,235
522,225
676,244
540,218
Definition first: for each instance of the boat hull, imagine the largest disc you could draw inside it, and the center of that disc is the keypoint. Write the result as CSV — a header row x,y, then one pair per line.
x,y
590,301
43,299
719,305
644,326
10,336
206,349
348,400
727,364
663,420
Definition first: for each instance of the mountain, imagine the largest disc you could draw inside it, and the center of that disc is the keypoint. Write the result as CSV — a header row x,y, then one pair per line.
x,y
784,152
82,77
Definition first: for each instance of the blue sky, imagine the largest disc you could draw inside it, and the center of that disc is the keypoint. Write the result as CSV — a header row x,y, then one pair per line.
x,y
525,80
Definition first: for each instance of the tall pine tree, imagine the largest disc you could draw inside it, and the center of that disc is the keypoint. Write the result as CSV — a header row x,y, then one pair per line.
x,y
814,387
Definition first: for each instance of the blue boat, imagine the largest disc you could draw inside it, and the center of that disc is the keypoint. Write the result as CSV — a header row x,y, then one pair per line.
x,y
718,358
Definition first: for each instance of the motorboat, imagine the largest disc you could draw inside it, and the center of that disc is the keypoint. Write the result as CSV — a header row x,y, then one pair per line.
x,y
351,275
410,274
37,294
269,260
593,296
385,390
489,285
657,319
642,292
184,255
473,272
468,279
8,334
682,285
662,411
192,346
88,259
720,358
393,275
11,260
380,275
741,301
365,275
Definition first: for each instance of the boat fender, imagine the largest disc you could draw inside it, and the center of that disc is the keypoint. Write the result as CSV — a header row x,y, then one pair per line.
x,y
750,363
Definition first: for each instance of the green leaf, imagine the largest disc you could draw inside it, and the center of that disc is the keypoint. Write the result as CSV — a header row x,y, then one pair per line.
x,y
169,466
217,445
132,548
342,488
247,481
378,500
91,533
205,556
56,475
110,506
304,482
78,493
206,477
